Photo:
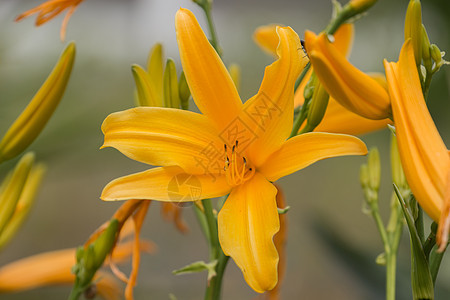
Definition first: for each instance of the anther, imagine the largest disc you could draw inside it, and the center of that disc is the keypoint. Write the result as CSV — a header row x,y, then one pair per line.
x,y
232,149
245,161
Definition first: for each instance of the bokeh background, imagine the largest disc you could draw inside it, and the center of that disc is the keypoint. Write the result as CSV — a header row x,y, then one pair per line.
x,y
332,244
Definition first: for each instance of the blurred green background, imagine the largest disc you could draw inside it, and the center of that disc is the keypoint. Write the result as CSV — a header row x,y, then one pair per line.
x,y
332,245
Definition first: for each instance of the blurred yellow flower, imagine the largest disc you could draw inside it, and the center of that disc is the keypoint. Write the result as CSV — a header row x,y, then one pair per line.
x,y
337,119
353,89
231,147
424,156
50,9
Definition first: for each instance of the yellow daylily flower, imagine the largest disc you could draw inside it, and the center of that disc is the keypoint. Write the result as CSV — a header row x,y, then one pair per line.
x,y
353,89
424,156
337,119
50,9
231,148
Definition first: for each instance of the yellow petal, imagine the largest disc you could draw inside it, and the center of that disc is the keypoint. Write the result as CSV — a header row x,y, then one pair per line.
x,y
352,88
423,154
343,40
269,114
211,86
338,119
280,240
247,223
267,38
165,137
302,150
166,184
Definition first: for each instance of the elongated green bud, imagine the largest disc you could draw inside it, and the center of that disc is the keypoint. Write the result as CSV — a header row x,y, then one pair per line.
x,y
398,176
32,120
360,6
374,169
426,54
24,204
171,96
413,28
184,92
155,68
12,189
146,89
318,106
104,243
436,55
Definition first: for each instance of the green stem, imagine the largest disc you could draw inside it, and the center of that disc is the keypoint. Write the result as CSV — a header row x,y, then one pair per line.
x,y
206,6
391,264
75,294
202,221
212,228
380,225
213,289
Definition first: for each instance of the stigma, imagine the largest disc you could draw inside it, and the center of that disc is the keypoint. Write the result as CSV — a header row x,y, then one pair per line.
x,y
237,168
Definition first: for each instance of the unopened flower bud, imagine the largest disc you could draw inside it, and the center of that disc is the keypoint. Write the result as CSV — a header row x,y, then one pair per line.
x,y
155,65
374,169
235,73
360,6
413,28
171,96
426,53
146,89
436,54
24,203
12,188
318,106
184,91
32,120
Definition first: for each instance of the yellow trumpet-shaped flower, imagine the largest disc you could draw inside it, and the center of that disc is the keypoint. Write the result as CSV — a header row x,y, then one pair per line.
x,y
424,156
353,89
337,119
231,148
50,9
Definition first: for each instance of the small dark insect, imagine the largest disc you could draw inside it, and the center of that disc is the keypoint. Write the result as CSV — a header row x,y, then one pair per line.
x,y
302,42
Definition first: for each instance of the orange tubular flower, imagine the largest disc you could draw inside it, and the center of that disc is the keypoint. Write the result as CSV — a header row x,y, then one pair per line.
x,y
231,148
424,156
54,268
353,89
51,9
337,118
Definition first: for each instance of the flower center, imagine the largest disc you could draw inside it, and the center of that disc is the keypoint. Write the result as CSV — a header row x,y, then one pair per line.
x,y
237,168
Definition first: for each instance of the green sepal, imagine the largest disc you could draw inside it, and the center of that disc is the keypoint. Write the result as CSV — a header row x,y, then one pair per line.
x,y
421,280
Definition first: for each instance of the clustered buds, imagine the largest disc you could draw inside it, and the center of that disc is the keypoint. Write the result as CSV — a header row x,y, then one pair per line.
x,y
158,86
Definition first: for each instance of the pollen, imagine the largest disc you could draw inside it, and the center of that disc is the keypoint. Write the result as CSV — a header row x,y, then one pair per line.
x,y
237,168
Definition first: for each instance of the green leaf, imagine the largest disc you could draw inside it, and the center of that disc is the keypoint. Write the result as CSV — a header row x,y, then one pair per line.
x,y
421,280
199,266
